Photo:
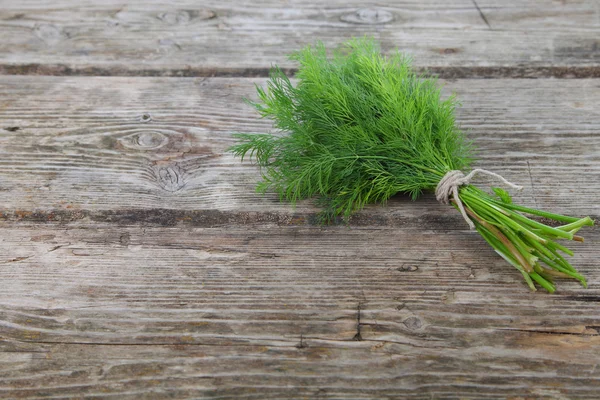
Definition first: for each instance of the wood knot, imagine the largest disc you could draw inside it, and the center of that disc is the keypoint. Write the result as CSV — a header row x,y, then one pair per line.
x,y
170,178
181,17
408,268
15,17
125,239
448,50
368,16
49,33
145,117
144,140
413,323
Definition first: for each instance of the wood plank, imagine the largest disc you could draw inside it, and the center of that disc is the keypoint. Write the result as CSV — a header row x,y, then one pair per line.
x,y
152,150
250,311
459,38
140,264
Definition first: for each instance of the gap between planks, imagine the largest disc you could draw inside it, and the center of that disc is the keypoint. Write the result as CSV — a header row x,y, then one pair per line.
x,y
449,72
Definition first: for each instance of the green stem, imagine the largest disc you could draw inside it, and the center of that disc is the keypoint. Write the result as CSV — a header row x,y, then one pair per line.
x,y
505,241
575,226
521,241
502,217
543,282
540,213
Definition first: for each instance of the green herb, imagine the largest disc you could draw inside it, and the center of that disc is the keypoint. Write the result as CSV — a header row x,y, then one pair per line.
x,y
360,127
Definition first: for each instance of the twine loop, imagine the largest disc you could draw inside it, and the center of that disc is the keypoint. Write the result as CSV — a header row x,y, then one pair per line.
x,y
454,179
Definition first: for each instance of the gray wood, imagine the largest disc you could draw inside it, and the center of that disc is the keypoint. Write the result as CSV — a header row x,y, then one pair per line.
x,y
76,144
458,38
254,311
137,262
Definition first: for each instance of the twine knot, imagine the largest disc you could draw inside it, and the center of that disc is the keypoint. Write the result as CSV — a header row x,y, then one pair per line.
x,y
454,179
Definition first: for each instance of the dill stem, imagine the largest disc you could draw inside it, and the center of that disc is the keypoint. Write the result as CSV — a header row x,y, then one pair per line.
x,y
503,217
540,213
576,225
524,220
509,245
578,238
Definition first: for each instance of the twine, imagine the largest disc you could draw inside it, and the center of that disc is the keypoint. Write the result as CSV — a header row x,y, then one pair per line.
x,y
454,179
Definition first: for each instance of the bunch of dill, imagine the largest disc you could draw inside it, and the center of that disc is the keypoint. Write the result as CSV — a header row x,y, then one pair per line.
x,y
360,127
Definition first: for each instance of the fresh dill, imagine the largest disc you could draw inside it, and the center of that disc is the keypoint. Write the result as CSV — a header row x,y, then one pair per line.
x,y
359,127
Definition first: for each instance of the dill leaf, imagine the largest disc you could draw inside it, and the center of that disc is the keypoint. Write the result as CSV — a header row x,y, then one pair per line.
x,y
359,127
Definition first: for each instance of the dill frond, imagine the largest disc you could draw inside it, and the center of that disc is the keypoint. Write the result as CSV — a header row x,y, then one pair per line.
x,y
359,127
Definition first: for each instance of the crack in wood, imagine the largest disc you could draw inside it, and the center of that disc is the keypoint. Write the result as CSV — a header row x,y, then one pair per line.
x,y
17,259
55,248
444,72
587,299
386,341
301,345
532,186
182,343
358,337
214,218
550,332
481,14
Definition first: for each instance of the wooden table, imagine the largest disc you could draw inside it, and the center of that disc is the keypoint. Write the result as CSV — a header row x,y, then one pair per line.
x,y
137,262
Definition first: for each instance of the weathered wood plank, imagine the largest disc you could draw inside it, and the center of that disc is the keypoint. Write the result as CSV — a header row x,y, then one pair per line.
x,y
151,150
459,38
249,311
139,263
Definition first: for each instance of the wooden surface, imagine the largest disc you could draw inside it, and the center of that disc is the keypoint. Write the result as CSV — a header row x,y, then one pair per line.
x,y
136,260
455,38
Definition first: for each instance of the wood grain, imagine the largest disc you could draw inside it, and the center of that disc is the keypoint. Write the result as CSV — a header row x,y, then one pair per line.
x,y
139,263
457,38
254,311
119,147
